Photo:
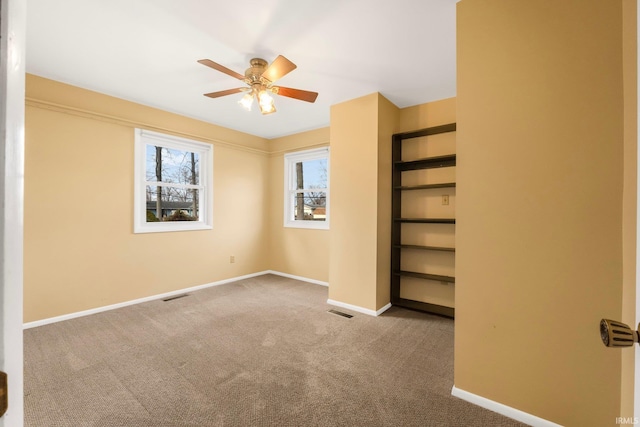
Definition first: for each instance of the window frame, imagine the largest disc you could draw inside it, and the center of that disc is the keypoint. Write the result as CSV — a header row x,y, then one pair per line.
x,y
290,183
143,138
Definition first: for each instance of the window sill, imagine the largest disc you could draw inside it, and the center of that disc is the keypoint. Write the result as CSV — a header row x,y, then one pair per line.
x,y
310,225
169,227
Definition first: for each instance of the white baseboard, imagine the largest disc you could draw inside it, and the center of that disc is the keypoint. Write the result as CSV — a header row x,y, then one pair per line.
x,y
137,301
303,279
359,309
383,309
50,320
505,410
333,302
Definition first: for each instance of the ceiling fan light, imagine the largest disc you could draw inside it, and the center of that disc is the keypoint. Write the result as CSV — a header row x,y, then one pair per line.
x,y
246,101
264,98
267,109
266,103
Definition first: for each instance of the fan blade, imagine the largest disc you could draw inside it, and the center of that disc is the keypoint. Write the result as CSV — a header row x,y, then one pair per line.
x,y
302,95
221,68
225,92
280,67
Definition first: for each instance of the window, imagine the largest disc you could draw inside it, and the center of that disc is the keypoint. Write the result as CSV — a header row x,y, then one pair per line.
x,y
173,183
306,198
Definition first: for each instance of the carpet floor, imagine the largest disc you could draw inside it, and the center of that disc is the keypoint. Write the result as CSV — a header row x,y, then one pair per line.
x,y
258,352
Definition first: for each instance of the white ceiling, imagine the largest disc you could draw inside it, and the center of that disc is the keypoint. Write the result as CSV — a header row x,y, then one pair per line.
x,y
146,51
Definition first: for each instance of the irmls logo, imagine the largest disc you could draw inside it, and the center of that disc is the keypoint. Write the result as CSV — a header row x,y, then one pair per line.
x,y
627,420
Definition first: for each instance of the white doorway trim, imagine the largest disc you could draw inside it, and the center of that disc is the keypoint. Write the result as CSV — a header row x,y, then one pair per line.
x,y
12,91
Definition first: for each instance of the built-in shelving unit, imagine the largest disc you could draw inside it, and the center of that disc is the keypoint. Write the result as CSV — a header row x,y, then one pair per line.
x,y
427,220
414,253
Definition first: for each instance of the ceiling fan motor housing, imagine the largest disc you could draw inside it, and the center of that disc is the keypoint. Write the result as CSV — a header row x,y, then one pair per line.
x,y
254,73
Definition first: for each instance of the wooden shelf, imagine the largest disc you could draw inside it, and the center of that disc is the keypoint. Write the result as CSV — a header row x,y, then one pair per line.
x,y
427,220
427,248
427,163
426,186
436,277
434,130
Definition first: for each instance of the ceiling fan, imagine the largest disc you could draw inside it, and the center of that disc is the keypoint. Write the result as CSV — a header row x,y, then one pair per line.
x,y
260,77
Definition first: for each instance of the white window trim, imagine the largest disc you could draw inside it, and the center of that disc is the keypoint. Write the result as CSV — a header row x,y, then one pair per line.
x,y
291,159
140,224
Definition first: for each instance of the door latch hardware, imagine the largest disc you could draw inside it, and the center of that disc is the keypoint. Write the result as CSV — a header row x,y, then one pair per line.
x,y
618,334
4,394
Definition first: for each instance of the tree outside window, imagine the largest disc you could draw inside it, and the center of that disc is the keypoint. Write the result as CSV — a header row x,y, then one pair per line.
x,y
173,183
171,202
307,189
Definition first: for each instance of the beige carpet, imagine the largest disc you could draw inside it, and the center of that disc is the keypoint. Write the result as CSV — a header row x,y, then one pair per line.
x,y
258,352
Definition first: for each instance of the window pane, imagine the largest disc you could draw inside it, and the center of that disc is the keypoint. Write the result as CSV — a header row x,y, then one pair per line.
x,y
310,206
311,174
175,204
172,166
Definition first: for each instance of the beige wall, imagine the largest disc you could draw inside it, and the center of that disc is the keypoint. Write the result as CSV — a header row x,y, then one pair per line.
x,y
540,185
388,117
427,115
354,266
354,177
80,251
298,251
